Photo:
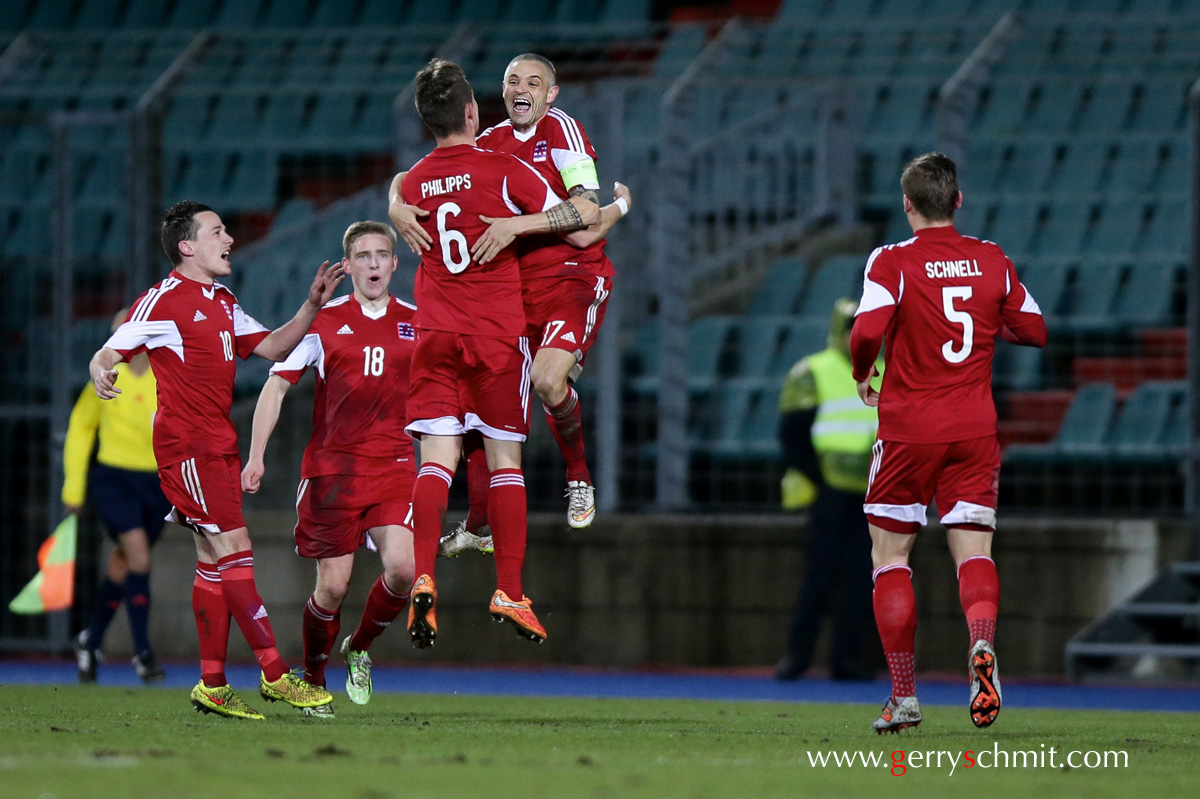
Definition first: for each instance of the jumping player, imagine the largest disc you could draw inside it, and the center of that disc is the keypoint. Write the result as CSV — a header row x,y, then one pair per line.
x,y
194,328
940,299
470,369
359,468
565,288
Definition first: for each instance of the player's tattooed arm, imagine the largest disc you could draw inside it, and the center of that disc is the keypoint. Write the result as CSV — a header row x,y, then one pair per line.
x,y
564,218
591,195
576,213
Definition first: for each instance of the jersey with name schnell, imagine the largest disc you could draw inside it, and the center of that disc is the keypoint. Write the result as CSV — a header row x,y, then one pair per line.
x,y
362,363
940,299
193,331
555,143
457,185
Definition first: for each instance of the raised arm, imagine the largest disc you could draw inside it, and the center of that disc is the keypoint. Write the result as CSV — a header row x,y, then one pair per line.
x,y
609,216
405,216
577,213
282,340
266,415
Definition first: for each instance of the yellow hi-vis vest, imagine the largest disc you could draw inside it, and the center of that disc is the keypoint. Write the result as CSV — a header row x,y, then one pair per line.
x,y
844,429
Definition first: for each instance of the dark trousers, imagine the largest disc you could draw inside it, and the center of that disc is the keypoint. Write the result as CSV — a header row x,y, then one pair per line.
x,y
837,580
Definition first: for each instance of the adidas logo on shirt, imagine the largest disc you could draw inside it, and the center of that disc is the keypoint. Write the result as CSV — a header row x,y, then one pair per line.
x,y
569,336
345,331
199,317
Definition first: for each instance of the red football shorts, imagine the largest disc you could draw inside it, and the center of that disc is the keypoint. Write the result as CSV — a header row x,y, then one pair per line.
x,y
565,313
336,510
206,492
459,383
963,476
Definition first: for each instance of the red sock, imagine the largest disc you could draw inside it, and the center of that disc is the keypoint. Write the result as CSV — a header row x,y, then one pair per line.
x,y
430,496
478,480
566,422
212,624
320,628
979,592
896,618
247,609
383,606
506,512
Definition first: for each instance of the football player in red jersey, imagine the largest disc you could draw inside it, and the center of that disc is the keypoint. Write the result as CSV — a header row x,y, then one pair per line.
x,y
359,468
470,369
194,328
565,287
940,299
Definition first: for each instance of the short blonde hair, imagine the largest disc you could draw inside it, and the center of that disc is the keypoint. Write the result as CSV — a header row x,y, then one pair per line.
x,y
360,229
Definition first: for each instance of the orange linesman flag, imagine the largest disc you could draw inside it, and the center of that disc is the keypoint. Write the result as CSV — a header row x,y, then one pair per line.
x,y
53,587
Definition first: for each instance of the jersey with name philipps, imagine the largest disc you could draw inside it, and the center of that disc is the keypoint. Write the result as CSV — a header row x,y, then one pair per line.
x,y
362,361
457,185
193,331
943,298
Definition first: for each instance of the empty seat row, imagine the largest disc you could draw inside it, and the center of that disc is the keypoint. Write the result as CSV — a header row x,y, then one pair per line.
x,y
197,14
1152,426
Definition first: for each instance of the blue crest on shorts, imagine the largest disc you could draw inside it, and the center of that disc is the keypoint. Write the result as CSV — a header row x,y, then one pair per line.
x,y
540,150
406,331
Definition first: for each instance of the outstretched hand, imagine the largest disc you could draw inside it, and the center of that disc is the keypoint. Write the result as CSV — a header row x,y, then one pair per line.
x,y
105,381
405,217
869,395
325,283
501,232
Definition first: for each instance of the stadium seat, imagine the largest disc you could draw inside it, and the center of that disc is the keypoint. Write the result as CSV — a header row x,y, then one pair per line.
x,y
1161,108
287,13
1094,295
1047,282
1108,107
781,287
623,12
378,13
802,338
1028,168
1054,108
252,187
1134,167
1167,233
235,121
840,276
1065,230
1013,224
96,15
1083,428
51,15
1117,228
1173,173
759,340
1142,423
682,45
1082,165
1017,368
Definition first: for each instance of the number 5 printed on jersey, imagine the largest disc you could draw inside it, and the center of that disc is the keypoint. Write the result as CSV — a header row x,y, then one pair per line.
x,y
949,295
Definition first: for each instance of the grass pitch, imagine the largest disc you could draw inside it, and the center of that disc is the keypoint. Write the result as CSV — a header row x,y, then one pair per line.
x,y
97,743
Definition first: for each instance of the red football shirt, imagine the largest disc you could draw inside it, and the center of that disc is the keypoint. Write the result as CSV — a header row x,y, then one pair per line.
x,y
362,360
192,331
555,142
457,185
940,299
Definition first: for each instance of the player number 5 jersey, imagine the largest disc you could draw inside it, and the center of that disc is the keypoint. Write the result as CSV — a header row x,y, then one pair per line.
x,y
940,299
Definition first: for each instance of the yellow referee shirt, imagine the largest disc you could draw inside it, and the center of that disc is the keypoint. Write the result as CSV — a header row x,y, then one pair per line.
x,y
125,426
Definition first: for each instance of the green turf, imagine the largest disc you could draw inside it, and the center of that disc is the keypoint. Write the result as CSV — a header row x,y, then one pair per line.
x,y
110,742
